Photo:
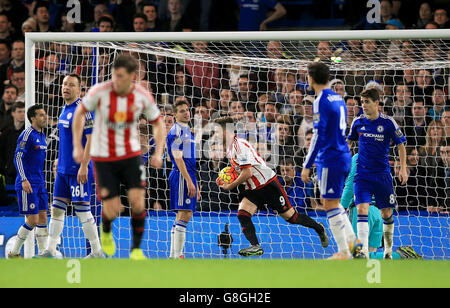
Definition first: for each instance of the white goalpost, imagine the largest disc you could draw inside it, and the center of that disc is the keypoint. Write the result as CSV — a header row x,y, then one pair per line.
x,y
178,65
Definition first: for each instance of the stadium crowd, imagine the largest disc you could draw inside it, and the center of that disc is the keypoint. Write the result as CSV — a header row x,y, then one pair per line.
x,y
274,105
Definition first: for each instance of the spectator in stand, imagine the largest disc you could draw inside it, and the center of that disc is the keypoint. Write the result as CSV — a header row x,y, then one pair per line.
x,y
424,85
429,162
6,31
99,10
18,80
226,96
246,93
439,104
407,196
446,119
400,109
16,12
302,151
236,110
307,122
184,86
17,61
298,192
150,10
386,14
324,52
205,75
286,144
106,24
353,108
416,126
253,15
161,73
49,83
425,15
42,17
5,52
9,97
8,142
29,25
440,16
179,19
233,72
140,22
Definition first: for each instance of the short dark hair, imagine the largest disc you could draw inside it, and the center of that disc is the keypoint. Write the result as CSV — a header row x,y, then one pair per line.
x,y
18,104
106,19
9,86
39,4
125,61
371,94
319,71
75,75
140,15
31,112
179,103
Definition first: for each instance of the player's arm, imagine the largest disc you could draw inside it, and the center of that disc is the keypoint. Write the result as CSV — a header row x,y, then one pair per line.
x,y
77,132
400,140
279,12
403,174
178,157
245,174
159,132
18,161
317,142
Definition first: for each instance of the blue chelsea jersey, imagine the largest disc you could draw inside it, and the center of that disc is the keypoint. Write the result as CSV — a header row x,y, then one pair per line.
x,y
374,138
328,145
66,163
180,138
29,157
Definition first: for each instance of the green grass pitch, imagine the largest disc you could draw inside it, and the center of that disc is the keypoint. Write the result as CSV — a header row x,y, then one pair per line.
x,y
218,273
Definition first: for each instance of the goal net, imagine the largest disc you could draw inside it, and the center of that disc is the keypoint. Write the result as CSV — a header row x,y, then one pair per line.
x,y
260,80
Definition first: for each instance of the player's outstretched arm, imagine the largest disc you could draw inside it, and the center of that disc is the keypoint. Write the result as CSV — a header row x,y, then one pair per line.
x,y
77,131
160,140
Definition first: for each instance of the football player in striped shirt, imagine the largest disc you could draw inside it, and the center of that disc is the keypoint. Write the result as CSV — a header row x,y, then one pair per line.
x,y
261,188
73,181
116,148
32,194
330,152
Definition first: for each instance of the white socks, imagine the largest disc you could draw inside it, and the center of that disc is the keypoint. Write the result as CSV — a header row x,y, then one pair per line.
x,y
41,237
349,233
363,232
55,229
90,230
337,221
177,239
22,235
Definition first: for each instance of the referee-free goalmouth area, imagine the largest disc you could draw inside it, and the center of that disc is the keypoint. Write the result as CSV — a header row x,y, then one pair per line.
x,y
223,273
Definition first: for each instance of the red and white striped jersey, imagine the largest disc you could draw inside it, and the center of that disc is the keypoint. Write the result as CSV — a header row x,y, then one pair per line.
x,y
115,134
242,155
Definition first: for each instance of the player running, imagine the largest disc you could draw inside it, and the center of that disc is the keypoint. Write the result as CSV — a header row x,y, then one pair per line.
x,y
73,181
261,187
32,195
330,152
184,190
374,131
115,147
